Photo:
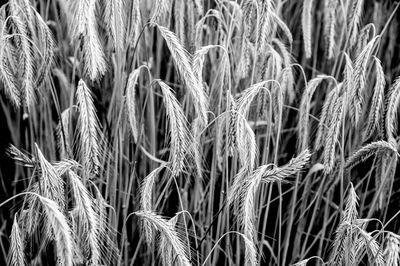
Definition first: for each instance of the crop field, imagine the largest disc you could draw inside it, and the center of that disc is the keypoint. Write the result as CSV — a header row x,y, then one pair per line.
x,y
199,132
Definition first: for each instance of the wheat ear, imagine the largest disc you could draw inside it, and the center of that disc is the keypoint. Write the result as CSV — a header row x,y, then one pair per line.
x,y
51,184
326,115
392,104
181,138
63,135
248,192
16,253
374,250
183,63
329,26
25,56
89,131
376,110
333,134
131,102
303,126
171,237
146,201
343,250
87,219
306,22
368,150
61,230
358,84
83,24
354,19
114,17
391,252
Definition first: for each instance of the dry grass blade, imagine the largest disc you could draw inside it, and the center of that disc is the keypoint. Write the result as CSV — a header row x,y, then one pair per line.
x,y
181,138
89,131
171,237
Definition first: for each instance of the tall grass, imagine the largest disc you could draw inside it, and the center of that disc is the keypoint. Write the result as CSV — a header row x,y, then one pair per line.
x,y
173,132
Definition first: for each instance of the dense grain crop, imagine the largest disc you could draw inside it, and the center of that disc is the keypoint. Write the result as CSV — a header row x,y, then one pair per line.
x,y
199,132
